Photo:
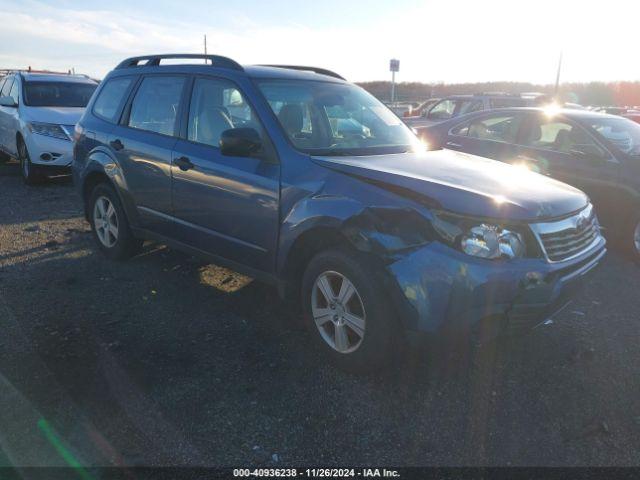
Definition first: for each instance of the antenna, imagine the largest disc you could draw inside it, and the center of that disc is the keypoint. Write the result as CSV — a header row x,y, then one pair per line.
x,y
205,48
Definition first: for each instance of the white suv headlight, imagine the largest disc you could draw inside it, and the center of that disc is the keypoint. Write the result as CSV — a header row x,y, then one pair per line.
x,y
490,241
49,130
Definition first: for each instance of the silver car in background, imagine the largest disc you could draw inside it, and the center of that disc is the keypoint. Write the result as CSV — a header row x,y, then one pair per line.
x,y
38,113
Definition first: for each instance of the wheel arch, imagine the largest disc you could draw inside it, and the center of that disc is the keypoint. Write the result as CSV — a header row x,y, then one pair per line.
x,y
103,168
92,180
303,248
19,138
375,233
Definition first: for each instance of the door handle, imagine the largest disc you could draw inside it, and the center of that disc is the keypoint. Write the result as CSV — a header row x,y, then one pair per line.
x,y
116,144
453,144
183,163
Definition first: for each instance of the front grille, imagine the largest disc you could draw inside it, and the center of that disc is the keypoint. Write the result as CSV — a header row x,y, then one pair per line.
x,y
570,237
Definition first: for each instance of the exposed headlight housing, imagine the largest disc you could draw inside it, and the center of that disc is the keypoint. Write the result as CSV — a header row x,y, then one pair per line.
x,y
482,239
51,130
490,241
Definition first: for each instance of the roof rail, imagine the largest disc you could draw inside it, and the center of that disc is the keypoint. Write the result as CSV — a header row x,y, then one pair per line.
x,y
8,71
321,71
154,60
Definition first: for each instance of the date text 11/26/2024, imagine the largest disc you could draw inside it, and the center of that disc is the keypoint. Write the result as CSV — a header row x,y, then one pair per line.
x,y
316,472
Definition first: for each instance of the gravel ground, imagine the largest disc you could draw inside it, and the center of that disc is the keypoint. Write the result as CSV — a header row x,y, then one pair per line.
x,y
165,360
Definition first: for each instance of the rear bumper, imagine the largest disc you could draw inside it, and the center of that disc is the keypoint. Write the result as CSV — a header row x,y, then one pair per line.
x,y
439,290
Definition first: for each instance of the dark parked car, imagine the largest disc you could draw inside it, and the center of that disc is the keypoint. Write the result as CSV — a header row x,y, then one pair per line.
x,y
377,239
598,153
456,105
422,109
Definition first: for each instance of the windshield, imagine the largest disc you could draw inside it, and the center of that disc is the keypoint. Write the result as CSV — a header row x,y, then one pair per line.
x,y
57,94
621,132
325,118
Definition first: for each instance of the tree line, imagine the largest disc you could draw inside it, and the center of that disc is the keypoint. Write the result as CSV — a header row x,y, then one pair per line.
x,y
591,93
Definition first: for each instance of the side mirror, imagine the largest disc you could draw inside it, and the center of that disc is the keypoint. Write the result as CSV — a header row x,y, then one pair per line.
x,y
240,142
7,101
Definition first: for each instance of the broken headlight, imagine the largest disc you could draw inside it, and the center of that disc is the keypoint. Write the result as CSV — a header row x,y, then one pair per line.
x,y
480,239
490,241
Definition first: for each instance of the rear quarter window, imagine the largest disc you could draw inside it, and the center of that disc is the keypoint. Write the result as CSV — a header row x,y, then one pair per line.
x,y
111,97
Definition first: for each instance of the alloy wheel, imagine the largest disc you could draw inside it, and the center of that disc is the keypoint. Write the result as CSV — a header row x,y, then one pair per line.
x,y
105,221
338,311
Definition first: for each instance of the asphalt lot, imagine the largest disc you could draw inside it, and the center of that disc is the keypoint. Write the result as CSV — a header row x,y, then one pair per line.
x,y
165,360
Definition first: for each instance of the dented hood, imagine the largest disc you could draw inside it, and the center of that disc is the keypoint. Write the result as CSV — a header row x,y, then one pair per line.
x,y
465,184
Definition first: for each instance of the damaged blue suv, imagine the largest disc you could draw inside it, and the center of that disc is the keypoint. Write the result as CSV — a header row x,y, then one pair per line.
x,y
298,178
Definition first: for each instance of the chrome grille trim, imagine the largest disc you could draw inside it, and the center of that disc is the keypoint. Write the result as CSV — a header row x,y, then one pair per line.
x,y
568,238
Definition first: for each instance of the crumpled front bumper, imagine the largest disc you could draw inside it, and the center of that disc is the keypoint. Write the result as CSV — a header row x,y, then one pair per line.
x,y
437,289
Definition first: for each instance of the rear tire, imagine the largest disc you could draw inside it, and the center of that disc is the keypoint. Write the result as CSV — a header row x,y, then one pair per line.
x,y
29,176
355,327
109,224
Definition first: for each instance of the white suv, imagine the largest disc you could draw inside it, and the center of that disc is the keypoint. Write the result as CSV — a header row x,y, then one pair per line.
x,y
38,113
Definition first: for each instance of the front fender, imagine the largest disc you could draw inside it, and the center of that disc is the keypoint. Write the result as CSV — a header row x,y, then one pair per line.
x,y
378,230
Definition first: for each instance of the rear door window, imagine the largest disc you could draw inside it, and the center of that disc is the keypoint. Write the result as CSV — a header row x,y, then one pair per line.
x,y
111,97
156,104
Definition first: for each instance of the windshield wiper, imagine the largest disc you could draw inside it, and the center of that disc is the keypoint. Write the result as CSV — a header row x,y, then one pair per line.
x,y
364,152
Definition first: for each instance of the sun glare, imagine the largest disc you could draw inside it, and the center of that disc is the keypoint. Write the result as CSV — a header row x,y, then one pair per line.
x,y
552,109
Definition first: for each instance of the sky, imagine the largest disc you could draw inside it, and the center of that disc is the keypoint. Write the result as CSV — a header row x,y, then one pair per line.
x,y
436,41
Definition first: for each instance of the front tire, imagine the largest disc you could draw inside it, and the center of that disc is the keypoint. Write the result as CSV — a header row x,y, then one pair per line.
x,y
347,311
109,224
29,176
